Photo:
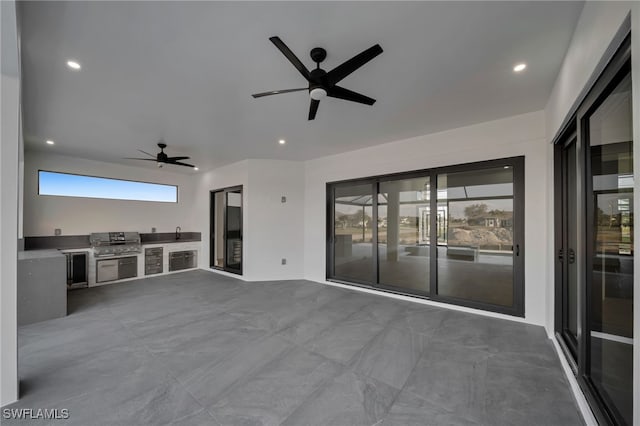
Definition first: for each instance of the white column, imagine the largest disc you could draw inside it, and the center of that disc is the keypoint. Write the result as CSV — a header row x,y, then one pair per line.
x,y
9,148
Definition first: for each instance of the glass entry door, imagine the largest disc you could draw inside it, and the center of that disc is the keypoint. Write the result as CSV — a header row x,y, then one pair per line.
x,y
226,230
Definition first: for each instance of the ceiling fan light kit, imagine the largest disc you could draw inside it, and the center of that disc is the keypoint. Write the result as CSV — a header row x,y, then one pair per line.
x,y
318,94
322,83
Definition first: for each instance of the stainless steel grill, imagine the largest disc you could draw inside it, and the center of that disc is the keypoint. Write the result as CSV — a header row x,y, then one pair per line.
x,y
109,244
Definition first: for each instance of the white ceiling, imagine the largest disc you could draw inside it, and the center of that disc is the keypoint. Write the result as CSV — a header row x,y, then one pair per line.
x,y
185,72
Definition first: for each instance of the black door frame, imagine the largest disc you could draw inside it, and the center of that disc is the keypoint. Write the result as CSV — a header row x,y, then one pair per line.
x,y
212,236
561,192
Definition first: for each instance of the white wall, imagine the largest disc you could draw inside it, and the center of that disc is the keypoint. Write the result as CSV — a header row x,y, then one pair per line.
x,y
508,137
81,216
272,230
275,230
9,155
598,24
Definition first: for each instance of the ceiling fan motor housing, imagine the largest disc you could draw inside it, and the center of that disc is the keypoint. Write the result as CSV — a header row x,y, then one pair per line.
x,y
162,157
318,85
318,54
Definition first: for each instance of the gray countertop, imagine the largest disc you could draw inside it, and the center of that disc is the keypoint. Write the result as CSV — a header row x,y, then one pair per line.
x,y
168,241
72,242
39,254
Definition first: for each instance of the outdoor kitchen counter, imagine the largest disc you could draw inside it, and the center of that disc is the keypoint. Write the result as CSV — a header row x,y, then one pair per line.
x,y
42,285
170,237
40,254
170,241
168,246
72,242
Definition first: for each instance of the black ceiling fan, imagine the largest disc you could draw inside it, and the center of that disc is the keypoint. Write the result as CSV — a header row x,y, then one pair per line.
x,y
161,158
322,83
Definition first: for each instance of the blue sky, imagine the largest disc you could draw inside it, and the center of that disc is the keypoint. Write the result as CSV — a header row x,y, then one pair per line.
x,y
63,184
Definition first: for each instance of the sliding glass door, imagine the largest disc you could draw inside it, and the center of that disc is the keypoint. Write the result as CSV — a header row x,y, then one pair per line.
x,y
458,242
610,244
595,247
226,230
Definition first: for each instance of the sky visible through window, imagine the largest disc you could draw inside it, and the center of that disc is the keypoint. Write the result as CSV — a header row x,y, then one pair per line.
x,y
68,185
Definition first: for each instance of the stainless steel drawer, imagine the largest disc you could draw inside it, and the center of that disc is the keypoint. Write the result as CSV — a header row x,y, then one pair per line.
x,y
106,270
127,267
182,260
153,260
153,269
153,251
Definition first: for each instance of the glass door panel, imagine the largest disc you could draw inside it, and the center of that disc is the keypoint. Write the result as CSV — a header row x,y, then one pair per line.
x,y
403,233
353,232
233,230
611,234
476,248
218,230
568,248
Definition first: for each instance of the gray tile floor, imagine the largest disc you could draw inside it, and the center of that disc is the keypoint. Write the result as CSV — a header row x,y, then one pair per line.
x,y
197,348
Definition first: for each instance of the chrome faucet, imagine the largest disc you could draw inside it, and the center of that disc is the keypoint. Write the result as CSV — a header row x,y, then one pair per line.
x,y
178,229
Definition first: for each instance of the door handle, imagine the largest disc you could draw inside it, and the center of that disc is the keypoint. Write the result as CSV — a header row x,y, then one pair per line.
x,y
517,249
561,255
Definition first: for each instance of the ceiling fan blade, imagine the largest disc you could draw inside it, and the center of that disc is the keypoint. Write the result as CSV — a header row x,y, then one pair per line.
x,y
145,152
178,163
277,92
144,159
177,158
348,95
346,68
291,57
313,109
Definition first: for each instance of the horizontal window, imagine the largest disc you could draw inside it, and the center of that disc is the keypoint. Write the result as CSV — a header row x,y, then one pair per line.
x,y
70,185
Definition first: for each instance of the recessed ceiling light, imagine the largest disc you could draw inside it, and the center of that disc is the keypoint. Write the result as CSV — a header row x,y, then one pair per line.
x,y
50,142
507,167
519,67
196,169
282,141
73,65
